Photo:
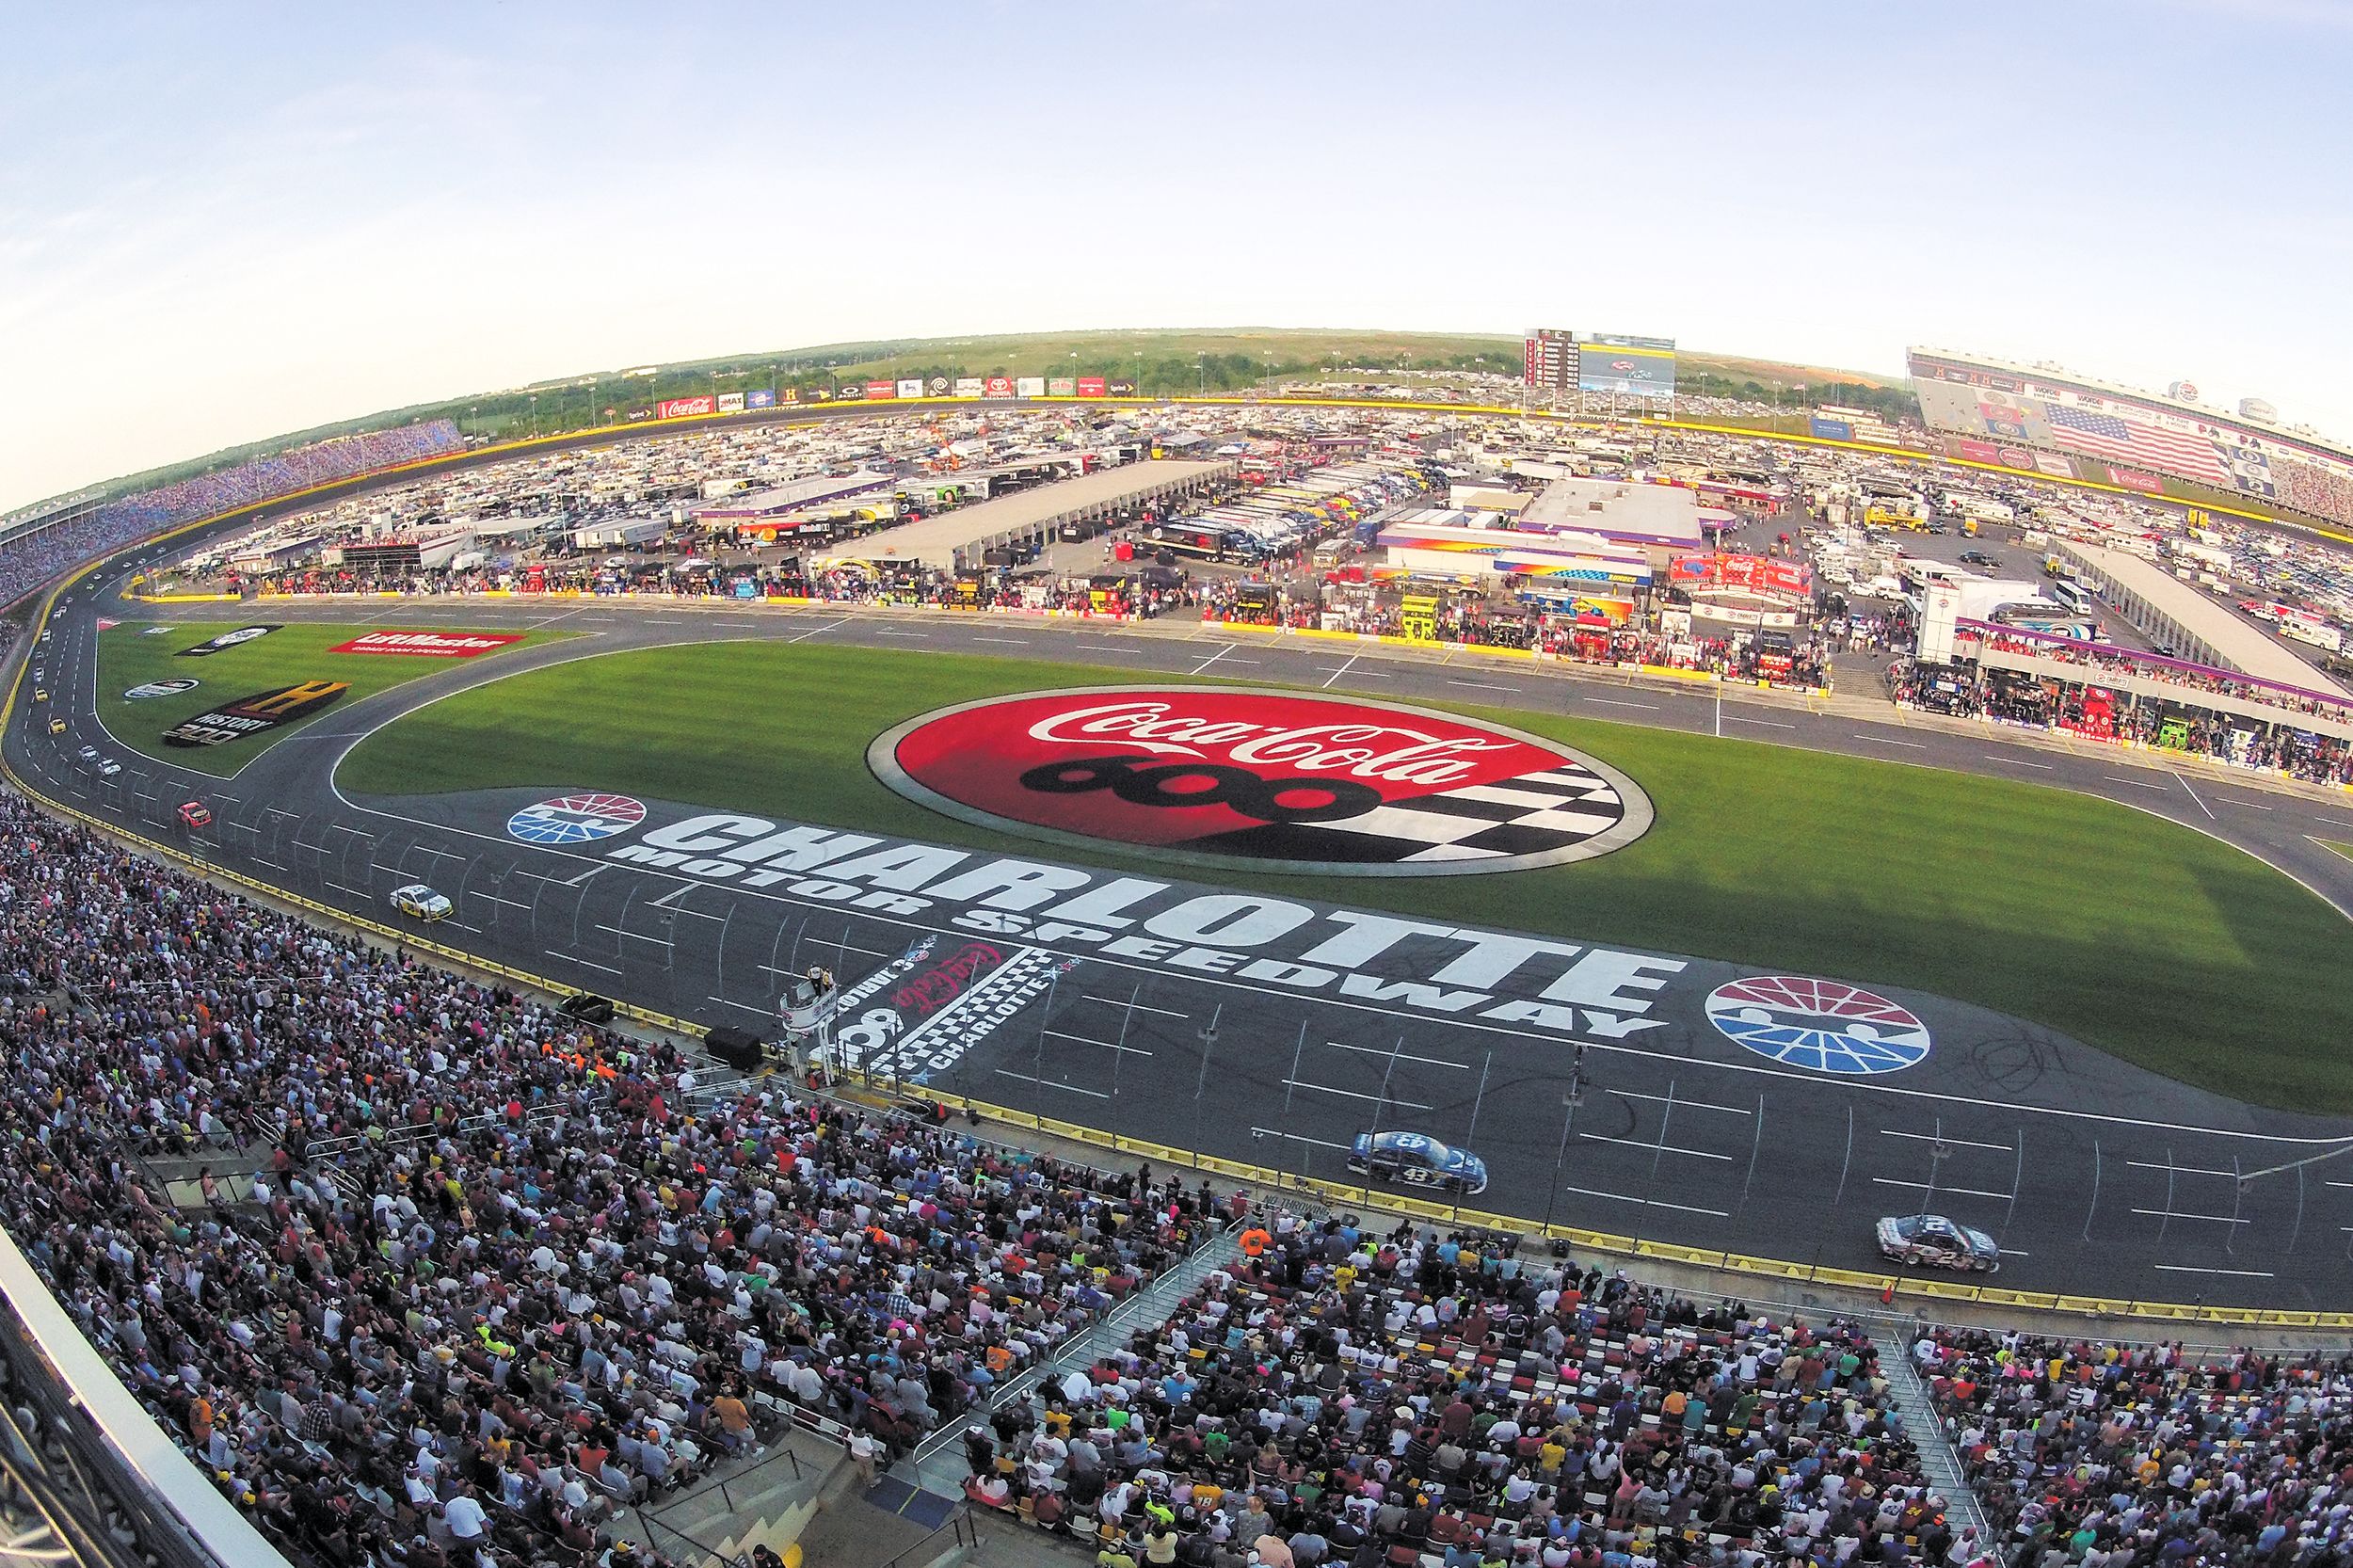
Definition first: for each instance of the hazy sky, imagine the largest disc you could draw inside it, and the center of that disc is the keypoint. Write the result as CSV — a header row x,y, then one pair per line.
x,y
218,223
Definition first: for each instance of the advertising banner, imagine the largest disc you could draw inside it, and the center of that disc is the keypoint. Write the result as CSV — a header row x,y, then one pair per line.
x,y
1830,429
1093,386
1626,372
1627,340
935,387
1756,574
1061,386
850,391
1029,386
255,714
2134,479
1122,389
1974,452
814,394
969,386
428,645
878,390
2053,465
731,403
685,407
911,386
999,386
760,397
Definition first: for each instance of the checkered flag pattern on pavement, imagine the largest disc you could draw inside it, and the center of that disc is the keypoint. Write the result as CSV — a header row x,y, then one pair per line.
x,y
1528,815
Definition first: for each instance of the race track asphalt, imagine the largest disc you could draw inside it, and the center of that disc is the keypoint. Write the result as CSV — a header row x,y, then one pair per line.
x,y
2097,1178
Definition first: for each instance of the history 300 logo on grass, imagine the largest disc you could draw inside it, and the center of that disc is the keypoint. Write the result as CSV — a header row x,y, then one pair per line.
x,y
1264,780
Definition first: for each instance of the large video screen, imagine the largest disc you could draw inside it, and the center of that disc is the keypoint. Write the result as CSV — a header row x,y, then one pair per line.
x,y
1623,371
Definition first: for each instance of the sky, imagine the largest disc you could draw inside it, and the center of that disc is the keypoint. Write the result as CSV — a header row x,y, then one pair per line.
x,y
219,223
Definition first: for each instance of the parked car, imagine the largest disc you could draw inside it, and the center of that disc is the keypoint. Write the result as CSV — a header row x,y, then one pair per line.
x,y
421,902
1418,1159
1933,1242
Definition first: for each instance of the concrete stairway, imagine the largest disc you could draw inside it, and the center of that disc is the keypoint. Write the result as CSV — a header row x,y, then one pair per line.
x,y
1926,1429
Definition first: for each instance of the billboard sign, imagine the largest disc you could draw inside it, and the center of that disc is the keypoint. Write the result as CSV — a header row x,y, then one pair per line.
x,y
969,386
1120,387
1619,372
1061,386
760,397
428,645
1029,386
731,403
935,387
850,391
998,386
1093,386
2134,479
1625,339
685,407
911,386
1829,430
1756,574
1262,780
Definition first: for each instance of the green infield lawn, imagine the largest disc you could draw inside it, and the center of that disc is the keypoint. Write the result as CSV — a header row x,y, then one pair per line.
x,y
133,654
2343,849
2159,944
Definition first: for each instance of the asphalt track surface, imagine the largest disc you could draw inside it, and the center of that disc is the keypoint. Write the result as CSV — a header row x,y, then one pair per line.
x,y
2097,1178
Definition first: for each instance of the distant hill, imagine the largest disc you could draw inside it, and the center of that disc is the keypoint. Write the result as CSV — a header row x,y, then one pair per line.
x,y
1161,360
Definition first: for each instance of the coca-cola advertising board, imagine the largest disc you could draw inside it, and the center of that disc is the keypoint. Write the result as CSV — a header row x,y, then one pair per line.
x,y
1263,781
1758,574
999,386
685,407
877,392
1093,386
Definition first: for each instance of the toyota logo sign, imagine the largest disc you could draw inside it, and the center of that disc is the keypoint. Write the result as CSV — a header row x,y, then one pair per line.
x,y
1263,781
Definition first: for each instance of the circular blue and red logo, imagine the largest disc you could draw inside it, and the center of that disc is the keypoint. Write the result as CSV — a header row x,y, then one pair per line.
x,y
1263,781
1824,1025
575,818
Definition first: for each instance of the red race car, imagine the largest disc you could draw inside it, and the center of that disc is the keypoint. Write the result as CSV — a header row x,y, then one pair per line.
x,y
195,813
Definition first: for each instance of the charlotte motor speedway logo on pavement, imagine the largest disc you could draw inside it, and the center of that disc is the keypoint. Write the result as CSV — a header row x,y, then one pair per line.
x,y
1824,1025
1263,781
576,819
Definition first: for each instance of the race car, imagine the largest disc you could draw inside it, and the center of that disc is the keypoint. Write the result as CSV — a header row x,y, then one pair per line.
x,y
40,694
108,767
195,813
1418,1159
421,902
87,753
1933,1242
56,727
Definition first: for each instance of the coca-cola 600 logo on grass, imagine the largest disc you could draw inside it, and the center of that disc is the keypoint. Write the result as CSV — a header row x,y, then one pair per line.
x,y
1263,781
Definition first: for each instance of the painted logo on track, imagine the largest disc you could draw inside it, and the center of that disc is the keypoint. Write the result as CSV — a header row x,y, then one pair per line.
x,y
576,819
1824,1025
159,688
1263,781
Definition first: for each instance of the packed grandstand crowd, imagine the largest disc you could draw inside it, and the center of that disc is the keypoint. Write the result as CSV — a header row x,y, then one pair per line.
x,y
2171,672
1345,1396
41,552
2108,1455
546,1271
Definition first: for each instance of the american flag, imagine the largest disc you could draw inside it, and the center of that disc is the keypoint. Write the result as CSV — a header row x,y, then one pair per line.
x,y
2105,436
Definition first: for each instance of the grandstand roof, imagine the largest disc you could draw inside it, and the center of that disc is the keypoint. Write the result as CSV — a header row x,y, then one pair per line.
x,y
935,541
2235,644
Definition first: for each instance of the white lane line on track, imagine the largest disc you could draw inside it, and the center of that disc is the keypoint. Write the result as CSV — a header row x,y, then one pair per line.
x,y
804,637
1343,669
1299,1138
1399,1055
1484,685
1939,1187
1682,1104
1352,1093
1615,702
1930,1138
2194,1269
1107,1044
2175,1214
1743,718
1106,647
898,631
2016,762
2242,800
1213,658
2179,1170
1050,1083
1891,740
583,963
2193,794
1003,642
1647,1203
1121,1002
1655,1148
2137,783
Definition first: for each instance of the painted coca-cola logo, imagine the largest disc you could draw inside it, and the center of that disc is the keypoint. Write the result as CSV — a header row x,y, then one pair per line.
x,y
1264,780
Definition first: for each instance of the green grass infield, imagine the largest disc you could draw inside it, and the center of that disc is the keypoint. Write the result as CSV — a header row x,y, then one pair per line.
x,y
2159,944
